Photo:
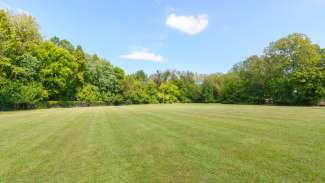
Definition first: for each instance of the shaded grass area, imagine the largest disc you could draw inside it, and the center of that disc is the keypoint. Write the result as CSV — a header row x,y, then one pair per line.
x,y
164,143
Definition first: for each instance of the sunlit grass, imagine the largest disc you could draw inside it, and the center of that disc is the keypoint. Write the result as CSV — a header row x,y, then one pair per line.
x,y
164,143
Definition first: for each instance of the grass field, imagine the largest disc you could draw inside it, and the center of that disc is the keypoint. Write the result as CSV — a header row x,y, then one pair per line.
x,y
164,143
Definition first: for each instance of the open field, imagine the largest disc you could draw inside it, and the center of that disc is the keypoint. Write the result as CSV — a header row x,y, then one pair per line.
x,y
164,143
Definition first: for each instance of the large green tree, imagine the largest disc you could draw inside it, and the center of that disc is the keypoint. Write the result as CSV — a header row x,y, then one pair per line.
x,y
59,71
295,65
104,78
19,68
253,76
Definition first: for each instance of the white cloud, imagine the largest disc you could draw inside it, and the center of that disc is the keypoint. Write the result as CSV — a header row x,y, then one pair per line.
x,y
143,55
191,25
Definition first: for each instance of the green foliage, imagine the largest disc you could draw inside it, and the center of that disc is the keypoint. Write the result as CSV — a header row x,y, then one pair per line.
x,y
32,70
211,88
119,73
233,89
308,84
89,94
140,75
169,93
151,93
291,72
18,93
138,92
295,65
253,78
101,73
58,72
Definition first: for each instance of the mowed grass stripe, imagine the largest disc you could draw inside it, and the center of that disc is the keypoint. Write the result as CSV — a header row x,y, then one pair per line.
x,y
260,126
280,143
166,148
24,128
45,148
164,143
182,165
195,150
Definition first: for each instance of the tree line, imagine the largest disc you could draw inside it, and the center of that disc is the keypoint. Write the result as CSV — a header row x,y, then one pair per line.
x,y
34,70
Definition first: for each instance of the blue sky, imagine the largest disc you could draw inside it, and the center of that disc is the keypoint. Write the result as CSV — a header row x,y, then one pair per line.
x,y
203,36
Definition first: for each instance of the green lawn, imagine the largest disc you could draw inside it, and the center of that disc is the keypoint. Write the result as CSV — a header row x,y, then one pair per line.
x,y
164,143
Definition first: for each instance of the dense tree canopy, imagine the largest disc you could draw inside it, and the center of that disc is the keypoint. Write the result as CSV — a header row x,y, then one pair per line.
x,y
34,70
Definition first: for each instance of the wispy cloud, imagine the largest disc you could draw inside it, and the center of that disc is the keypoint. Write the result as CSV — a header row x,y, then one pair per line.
x,y
6,6
143,55
191,25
